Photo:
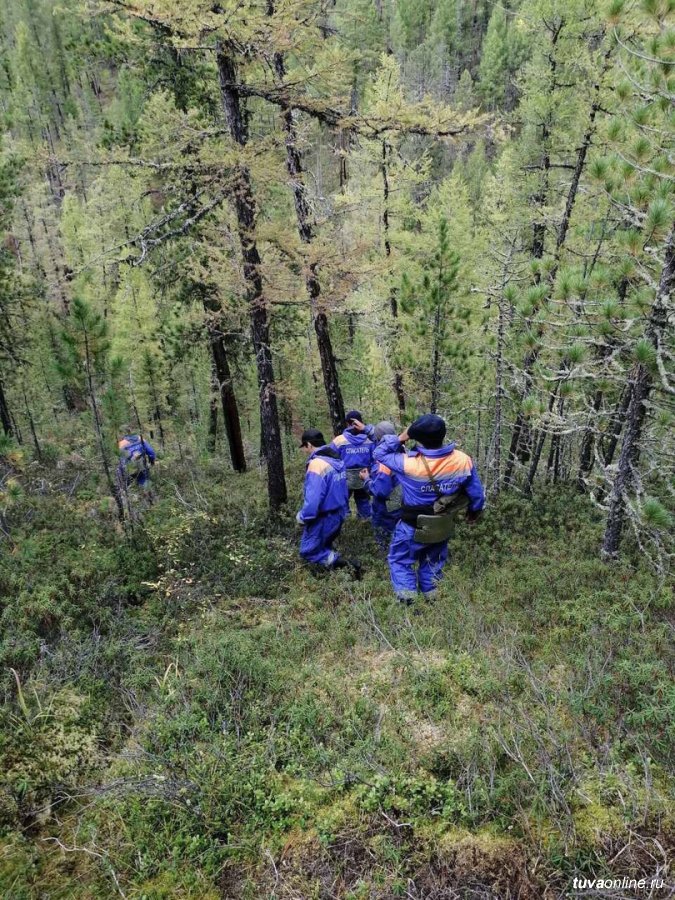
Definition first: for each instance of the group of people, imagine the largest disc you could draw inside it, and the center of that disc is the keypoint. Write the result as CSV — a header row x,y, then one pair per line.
x,y
412,497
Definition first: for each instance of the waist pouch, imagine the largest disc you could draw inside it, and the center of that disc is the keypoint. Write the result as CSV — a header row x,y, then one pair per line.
x,y
436,524
354,482
434,529
395,500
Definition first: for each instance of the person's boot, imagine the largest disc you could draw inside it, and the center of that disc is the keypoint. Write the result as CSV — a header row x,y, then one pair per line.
x,y
406,599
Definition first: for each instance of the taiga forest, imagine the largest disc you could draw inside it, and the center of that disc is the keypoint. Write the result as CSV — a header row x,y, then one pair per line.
x,y
224,222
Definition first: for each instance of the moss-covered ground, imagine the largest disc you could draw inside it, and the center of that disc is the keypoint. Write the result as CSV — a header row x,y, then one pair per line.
x,y
189,713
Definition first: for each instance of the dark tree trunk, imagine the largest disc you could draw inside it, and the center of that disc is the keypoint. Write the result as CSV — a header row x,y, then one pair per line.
x,y
538,443
331,381
616,426
393,303
628,458
213,410
5,416
223,382
245,208
640,389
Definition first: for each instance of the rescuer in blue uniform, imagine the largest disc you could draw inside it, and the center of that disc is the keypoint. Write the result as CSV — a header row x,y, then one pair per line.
x,y
356,451
382,485
136,456
325,504
427,474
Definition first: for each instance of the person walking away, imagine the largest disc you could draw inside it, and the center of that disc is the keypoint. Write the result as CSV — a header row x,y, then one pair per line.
x,y
433,477
383,486
326,504
356,451
136,457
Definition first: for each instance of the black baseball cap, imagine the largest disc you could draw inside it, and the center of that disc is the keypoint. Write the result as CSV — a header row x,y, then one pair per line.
x,y
312,436
426,427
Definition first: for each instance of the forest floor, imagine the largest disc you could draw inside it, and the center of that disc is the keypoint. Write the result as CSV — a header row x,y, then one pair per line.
x,y
189,713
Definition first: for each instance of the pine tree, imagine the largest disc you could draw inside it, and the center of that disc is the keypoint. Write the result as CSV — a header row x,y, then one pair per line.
x,y
430,306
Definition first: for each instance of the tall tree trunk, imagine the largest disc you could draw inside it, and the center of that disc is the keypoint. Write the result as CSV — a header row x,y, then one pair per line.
x,y
640,381
245,208
331,380
223,380
393,303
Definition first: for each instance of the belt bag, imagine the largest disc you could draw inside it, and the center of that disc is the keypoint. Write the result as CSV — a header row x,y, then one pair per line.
x,y
434,529
394,500
354,482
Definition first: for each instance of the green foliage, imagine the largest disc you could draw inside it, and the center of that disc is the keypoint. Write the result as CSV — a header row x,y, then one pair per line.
x,y
187,710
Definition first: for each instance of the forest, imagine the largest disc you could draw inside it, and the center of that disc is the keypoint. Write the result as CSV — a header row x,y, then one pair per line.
x,y
222,223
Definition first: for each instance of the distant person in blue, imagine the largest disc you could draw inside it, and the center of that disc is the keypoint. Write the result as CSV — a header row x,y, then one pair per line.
x,y
427,474
326,504
356,452
136,457
382,485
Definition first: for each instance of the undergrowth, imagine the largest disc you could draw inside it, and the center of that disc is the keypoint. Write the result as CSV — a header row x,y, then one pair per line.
x,y
188,712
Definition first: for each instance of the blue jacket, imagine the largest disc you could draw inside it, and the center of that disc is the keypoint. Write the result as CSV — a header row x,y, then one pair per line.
x,y
381,481
452,471
356,450
325,484
132,449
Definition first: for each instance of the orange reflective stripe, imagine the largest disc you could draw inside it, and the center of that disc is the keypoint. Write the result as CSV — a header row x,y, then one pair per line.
x,y
384,469
340,441
456,463
318,466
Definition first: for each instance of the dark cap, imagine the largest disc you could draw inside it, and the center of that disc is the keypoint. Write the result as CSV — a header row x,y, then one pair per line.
x,y
312,436
427,427
353,414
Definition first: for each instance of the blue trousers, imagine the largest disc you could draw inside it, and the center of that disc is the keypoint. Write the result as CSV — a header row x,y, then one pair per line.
x,y
316,543
414,566
362,500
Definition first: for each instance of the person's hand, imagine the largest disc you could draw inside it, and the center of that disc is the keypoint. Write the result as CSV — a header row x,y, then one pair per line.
x,y
299,519
473,517
356,425
404,436
364,474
